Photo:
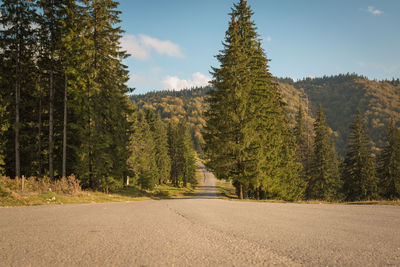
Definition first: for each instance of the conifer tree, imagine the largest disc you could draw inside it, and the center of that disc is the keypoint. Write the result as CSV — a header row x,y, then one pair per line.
x,y
187,154
325,183
4,125
302,142
50,29
247,140
143,159
359,176
160,137
174,152
105,135
18,43
389,163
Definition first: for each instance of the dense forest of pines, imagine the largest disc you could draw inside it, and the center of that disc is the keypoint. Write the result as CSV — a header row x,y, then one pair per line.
x,y
64,107
338,139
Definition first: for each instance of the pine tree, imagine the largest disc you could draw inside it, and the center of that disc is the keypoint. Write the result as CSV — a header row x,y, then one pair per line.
x,y
303,150
4,125
143,158
160,137
18,47
389,163
325,183
247,140
187,154
174,152
105,135
360,181
50,29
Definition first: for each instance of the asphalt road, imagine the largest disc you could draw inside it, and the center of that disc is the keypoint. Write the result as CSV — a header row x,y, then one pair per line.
x,y
202,231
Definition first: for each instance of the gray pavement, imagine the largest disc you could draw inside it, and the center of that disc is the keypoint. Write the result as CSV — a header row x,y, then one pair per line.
x,y
200,231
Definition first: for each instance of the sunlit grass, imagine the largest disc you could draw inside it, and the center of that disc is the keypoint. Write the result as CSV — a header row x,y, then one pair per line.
x,y
12,196
226,190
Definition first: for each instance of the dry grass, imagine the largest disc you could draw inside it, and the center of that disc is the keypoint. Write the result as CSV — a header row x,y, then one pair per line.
x,y
67,190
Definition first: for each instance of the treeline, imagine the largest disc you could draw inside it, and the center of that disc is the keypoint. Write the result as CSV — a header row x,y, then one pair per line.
x,y
250,141
173,106
63,90
360,175
341,95
161,153
64,107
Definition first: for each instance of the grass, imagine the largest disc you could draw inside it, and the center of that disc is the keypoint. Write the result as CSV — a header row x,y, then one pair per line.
x,y
226,190
42,192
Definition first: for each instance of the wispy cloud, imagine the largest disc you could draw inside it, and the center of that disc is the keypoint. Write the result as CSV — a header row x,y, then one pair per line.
x,y
174,83
141,46
386,68
374,11
268,39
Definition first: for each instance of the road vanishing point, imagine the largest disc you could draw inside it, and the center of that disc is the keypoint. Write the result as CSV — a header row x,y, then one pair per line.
x,y
200,231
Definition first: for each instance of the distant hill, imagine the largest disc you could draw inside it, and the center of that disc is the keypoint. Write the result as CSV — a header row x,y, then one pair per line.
x,y
339,95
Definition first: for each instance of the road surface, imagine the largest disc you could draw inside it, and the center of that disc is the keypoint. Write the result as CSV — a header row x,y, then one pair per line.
x,y
201,231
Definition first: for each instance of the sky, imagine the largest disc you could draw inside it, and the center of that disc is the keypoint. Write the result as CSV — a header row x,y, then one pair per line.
x,y
173,43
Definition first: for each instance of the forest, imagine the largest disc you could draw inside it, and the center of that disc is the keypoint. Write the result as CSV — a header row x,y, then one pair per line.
x,y
65,110
64,105
332,138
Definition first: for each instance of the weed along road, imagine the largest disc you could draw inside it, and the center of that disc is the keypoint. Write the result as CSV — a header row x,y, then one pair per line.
x,y
202,230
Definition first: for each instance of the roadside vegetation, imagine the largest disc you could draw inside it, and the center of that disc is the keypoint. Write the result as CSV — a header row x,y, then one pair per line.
x,y
68,191
226,191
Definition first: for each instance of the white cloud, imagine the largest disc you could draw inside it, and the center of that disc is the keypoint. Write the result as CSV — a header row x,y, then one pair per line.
x,y
386,68
174,83
374,11
268,39
162,47
133,46
140,46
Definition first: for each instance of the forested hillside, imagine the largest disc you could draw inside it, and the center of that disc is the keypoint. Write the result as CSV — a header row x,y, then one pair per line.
x,y
173,106
340,96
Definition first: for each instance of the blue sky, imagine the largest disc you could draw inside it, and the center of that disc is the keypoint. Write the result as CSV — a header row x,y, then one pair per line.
x,y
173,43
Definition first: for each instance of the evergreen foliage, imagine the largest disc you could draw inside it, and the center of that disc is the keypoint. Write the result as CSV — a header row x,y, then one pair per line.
x,y
182,155
64,90
324,183
389,163
303,141
247,140
359,176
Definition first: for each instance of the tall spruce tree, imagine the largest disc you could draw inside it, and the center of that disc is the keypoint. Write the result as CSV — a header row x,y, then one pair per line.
x,y
50,33
187,154
303,151
325,182
4,125
247,140
17,42
105,133
160,137
389,163
143,158
360,182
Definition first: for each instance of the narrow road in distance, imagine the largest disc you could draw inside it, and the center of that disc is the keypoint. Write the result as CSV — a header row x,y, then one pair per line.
x,y
200,231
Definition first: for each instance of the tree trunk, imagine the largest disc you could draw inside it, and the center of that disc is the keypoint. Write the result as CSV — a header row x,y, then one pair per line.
x,y
17,100
51,92
64,156
240,191
40,136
